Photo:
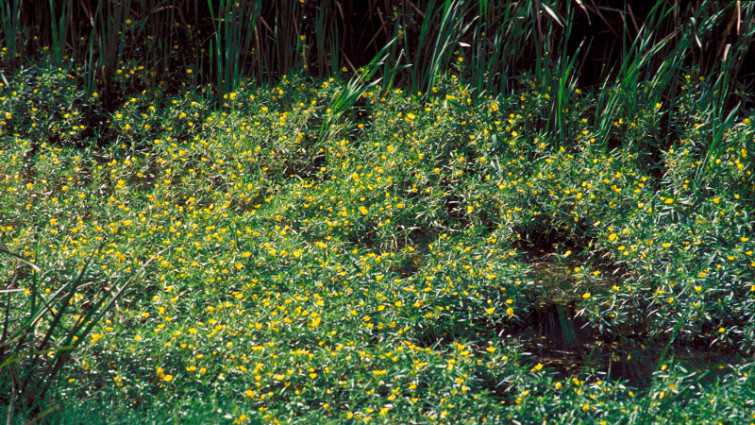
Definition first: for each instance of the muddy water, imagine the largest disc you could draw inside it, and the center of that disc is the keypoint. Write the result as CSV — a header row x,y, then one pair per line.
x,y
557,338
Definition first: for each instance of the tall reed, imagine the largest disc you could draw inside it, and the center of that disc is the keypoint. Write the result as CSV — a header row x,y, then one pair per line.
x,y
10,23
40,330
231,41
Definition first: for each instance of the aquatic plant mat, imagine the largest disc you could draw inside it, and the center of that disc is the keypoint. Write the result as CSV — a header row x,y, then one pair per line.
x,y
418,261
305,212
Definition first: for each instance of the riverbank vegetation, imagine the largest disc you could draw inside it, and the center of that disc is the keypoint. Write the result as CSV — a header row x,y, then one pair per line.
x,y
199,227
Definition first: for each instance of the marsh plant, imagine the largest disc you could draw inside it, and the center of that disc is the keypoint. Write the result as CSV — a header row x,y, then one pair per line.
x,y
262,231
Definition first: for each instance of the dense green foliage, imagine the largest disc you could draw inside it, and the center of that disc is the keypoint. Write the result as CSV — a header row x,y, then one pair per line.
x,y
327,247
378,269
